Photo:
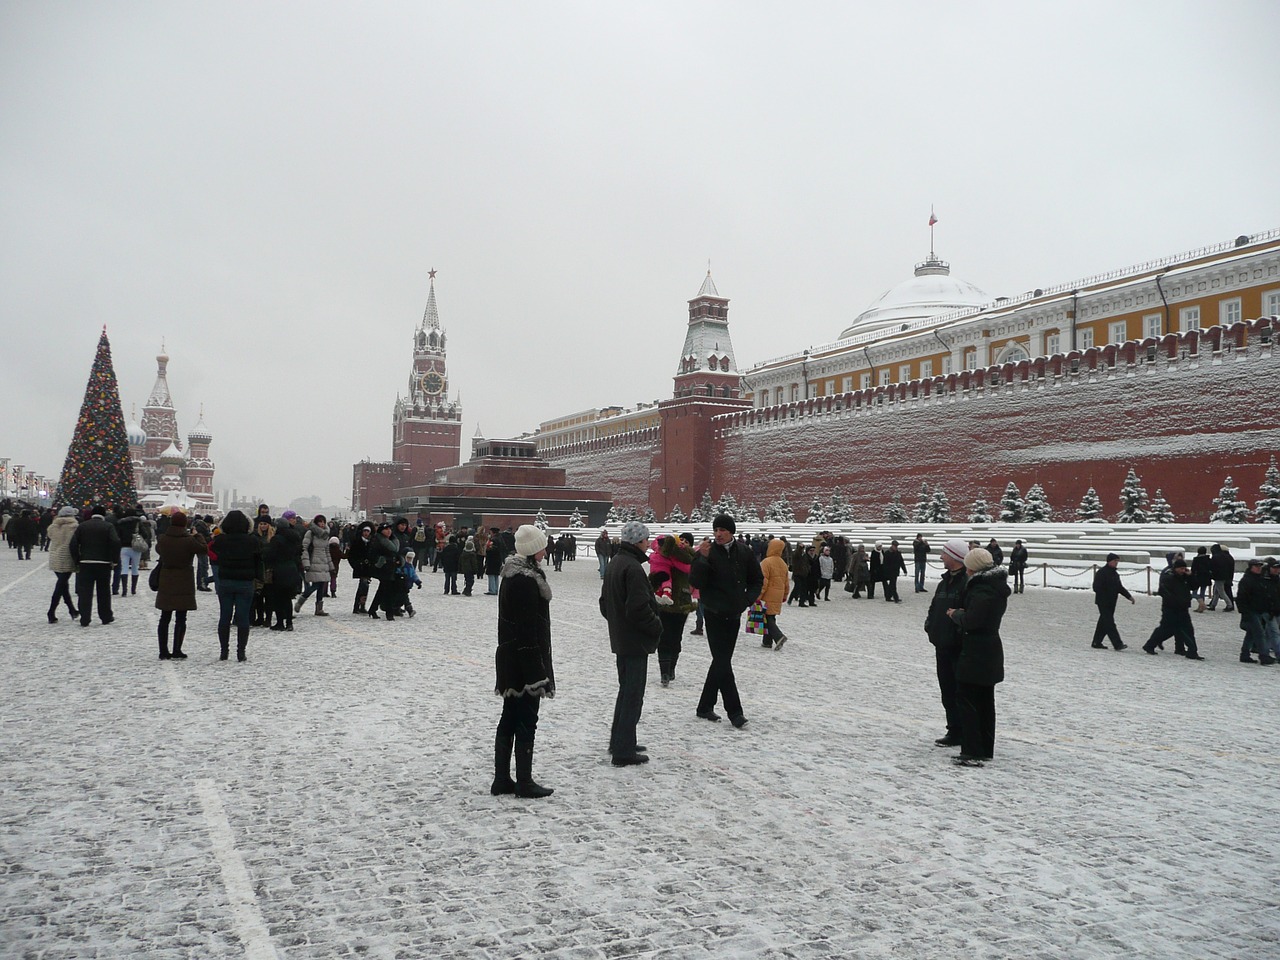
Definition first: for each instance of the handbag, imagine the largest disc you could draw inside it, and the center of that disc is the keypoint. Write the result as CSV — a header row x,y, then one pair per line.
x,y
755,618
138,544
849,586
153,579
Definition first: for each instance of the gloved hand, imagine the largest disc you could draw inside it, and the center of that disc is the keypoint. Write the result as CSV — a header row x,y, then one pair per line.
x,y
418,585
665,601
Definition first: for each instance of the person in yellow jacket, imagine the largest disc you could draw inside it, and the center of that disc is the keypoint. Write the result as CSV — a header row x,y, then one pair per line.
x,y
774,593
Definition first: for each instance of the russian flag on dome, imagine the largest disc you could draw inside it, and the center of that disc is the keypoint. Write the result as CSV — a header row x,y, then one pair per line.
x,y
932,218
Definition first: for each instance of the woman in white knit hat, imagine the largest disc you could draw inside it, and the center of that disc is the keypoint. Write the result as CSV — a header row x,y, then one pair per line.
x,y
523,662
980,665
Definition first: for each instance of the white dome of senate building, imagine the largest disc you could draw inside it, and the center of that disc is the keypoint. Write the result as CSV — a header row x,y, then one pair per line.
x,y
930,293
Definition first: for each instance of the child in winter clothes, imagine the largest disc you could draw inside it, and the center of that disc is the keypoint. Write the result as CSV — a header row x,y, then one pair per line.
x,y
335,554
406,577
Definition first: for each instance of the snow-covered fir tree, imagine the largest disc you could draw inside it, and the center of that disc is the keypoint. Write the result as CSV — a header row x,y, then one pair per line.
x,y
614,515
1090,509
921,513
727,504
781,511
676,515
896,513
706,507
648,515
540,521
979,512
1229,507
576,522
1133,500
939,510
1035,508
695,515
1161,512
837,510
1267,507
1011,505
817,512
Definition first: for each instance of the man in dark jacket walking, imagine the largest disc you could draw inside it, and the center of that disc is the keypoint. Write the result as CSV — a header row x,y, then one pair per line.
x,y
1252,599
945,635
1223,566
627,602
1175,612
1107,590
893,565
728,578
920,554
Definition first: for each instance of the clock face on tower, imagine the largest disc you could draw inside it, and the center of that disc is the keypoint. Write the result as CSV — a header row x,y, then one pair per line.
x,y
432,383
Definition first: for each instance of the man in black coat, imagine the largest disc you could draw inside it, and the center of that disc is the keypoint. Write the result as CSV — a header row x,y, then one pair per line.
x,y
1175,613
1223,566
1252,599
1107,590
627,602
95,547
945,635
728,578
920,554
893,565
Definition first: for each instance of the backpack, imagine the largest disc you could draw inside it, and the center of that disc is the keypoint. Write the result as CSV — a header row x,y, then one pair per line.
x,y
420,536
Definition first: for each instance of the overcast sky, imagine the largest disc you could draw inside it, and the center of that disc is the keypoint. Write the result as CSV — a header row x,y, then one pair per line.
x,y
264,186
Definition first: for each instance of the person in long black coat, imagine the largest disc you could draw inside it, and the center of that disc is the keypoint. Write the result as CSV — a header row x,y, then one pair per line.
x,y
383,558
522,662
875,563
239,553
1201,576
358,558
944,634
283,557
1107,590
890,568
980,665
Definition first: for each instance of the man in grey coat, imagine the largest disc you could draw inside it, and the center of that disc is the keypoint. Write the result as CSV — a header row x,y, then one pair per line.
x,y
628,603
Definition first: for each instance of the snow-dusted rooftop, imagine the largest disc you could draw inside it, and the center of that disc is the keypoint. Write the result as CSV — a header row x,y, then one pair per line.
x,y
931,292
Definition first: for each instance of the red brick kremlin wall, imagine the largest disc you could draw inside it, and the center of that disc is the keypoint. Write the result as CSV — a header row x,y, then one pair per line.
x,y
1203,409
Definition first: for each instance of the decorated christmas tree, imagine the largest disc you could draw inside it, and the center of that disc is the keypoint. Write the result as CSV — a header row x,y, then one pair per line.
x,y
1133,500
98,468
1229,508
980,512
1267,508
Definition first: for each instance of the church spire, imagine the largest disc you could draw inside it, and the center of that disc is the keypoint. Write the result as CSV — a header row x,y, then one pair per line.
x,y
160,391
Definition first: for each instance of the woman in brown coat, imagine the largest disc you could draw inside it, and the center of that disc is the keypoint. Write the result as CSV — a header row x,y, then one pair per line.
x,y
177,548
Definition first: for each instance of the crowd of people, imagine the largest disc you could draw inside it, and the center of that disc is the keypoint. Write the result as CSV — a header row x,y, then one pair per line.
x,y
265,571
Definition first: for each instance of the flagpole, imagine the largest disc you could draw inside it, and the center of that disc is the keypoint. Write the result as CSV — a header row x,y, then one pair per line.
x,y
932,221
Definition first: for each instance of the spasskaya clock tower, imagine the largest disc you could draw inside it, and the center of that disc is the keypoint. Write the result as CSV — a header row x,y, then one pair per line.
x,y
427,425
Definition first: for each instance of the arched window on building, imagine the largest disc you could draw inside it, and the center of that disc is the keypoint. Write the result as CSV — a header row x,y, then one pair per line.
x,y
1012,352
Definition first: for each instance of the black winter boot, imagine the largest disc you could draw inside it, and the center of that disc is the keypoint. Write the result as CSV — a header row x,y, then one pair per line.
x,y
224,641
525,785
133,587
179,633
502,782
242,643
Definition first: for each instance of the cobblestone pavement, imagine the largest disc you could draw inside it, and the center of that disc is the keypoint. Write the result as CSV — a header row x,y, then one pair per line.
x,y
330,797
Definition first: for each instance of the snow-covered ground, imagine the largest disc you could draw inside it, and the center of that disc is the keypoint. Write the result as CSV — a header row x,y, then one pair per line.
x,y
330,797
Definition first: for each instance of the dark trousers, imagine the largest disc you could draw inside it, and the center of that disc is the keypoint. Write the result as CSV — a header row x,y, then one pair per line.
x,y
362,595
946,658
976,706
235,601
722,637
62,591
772,633
1254,633
91,577
920,569
451,582
519,717
891,588
824,588
632,673
1107,626
669,642
1019,582
1176,624
179,619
